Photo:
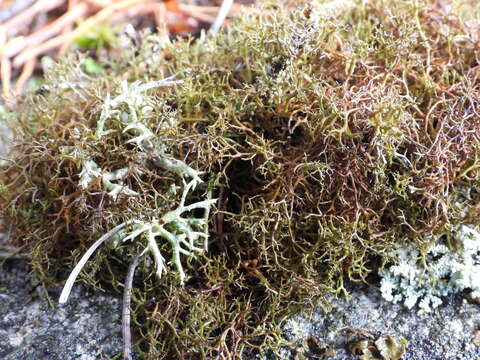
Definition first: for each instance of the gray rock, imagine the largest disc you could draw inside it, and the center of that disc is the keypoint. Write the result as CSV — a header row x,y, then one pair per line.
x,y
89,325
443,334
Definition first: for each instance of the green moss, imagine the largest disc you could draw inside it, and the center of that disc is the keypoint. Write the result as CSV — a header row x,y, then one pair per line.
x,y
327,138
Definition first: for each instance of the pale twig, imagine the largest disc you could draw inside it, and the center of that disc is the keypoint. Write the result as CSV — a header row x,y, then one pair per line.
x,y
210,10
72,3
127,336
160,15
55,27
51,44
29,14
207,13
99,3
73,275
221,16
199,15
27,72
67,39
10,9
6,74
69,27
29,66
102,15
136,10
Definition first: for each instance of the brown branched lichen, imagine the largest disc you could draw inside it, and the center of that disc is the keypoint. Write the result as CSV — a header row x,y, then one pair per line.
x,y
327,141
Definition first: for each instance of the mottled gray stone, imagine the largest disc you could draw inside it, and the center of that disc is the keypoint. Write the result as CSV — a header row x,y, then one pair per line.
x,y
89,326
444,334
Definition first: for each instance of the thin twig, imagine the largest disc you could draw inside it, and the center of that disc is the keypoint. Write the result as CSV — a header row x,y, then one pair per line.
x,y
102,15
73,275
160,15
66,40
28,53
27,72
29,14
48,31
127,297
5,74
12,9
29,66
99,3
69,27
137,10
207,13
222,15
202,16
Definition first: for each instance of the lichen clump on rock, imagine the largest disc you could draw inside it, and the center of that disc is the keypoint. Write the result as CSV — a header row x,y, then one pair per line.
x,y
326,134
442,271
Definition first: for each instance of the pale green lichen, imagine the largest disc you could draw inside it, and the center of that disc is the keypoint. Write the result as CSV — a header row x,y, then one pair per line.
x,y
132,95
179,231
91,172
182,233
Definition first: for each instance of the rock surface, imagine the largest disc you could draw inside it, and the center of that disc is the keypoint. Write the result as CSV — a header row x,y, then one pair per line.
x,y
89,325
445,334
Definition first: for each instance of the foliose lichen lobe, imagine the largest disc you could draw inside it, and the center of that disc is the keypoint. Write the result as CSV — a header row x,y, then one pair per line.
x,y
443,271
328,138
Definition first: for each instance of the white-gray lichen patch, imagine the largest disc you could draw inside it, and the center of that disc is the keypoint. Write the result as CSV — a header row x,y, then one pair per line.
x,y
444,271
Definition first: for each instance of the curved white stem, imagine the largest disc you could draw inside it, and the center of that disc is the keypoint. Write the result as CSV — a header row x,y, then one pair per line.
x,y
221,16
67,288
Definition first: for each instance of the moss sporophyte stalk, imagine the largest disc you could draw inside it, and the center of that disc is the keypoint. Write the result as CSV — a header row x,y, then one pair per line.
x,y
250,173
